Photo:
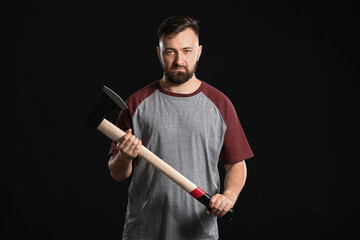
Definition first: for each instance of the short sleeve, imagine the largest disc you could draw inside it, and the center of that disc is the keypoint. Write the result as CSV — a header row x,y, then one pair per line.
x,y
124,123
235,145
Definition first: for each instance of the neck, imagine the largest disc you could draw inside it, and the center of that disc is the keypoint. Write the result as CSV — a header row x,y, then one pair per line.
x,y
185,88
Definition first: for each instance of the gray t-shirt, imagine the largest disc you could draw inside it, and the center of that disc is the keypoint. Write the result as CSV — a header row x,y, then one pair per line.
x,y
191,132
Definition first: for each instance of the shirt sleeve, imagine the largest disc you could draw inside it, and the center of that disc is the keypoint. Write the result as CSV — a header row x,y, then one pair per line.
x,y
235,145
124,123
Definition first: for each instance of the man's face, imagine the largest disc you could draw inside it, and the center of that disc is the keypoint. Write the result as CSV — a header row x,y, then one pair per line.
x,y
178,55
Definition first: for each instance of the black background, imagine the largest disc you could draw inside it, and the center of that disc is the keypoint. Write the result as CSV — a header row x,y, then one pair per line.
x,y
289,69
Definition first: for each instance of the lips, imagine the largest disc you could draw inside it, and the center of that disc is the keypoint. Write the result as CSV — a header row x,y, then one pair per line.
x,y
179,68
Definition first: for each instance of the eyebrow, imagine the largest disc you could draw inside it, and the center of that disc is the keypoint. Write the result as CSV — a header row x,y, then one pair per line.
x,y
181,49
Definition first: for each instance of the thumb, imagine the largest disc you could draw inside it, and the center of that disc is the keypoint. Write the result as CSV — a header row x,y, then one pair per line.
x,y
207,210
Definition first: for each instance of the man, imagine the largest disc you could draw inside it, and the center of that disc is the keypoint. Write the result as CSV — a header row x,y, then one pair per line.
x,y
190,125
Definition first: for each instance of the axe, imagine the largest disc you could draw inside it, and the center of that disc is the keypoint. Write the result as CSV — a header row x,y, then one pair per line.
x,y
109,101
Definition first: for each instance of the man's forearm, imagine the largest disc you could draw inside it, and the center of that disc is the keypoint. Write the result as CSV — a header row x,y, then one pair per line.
x,y
234,180
120,167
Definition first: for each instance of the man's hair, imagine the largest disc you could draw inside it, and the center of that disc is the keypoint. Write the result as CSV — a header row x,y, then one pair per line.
x,y
176,24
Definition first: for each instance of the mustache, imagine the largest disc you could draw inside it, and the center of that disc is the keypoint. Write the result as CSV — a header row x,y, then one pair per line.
x,y
175,66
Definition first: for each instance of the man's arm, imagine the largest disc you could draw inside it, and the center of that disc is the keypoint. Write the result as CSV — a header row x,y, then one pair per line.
x,y
234,182
120,165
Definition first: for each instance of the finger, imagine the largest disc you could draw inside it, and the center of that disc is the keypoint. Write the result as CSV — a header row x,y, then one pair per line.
x,y
133,145
226,206
223,212
128,143
128,134
136,150
135,142
223,208
125,143
216,210
125,138
215,205
226,209
212,201
138,146
207,210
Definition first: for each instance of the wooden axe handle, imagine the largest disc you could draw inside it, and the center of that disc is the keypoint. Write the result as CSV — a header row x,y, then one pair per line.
x,y
115,133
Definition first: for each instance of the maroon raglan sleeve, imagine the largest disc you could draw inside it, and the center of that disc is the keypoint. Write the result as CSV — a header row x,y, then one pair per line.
x,y
235,146
124,123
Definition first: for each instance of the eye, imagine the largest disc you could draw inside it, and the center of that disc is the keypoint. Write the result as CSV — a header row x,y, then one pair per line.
x,y
187,51
168,52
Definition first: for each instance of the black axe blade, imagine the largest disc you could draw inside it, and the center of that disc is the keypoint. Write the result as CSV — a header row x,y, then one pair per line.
x,y
108,102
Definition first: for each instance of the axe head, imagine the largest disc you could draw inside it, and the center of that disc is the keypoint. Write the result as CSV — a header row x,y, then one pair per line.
x,y
108,102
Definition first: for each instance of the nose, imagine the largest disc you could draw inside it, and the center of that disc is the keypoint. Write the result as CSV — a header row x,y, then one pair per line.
x,y
179,59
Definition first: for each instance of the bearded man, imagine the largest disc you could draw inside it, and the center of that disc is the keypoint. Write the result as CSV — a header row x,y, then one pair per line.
x,y
190,125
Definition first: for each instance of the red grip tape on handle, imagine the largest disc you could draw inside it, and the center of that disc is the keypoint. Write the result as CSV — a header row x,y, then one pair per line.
x,y
197,192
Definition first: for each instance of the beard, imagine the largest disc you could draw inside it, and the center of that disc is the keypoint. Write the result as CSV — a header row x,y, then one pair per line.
x,y
178,78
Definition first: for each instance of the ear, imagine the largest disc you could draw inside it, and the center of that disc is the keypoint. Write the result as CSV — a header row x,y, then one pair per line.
x,y
158,53
199,52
